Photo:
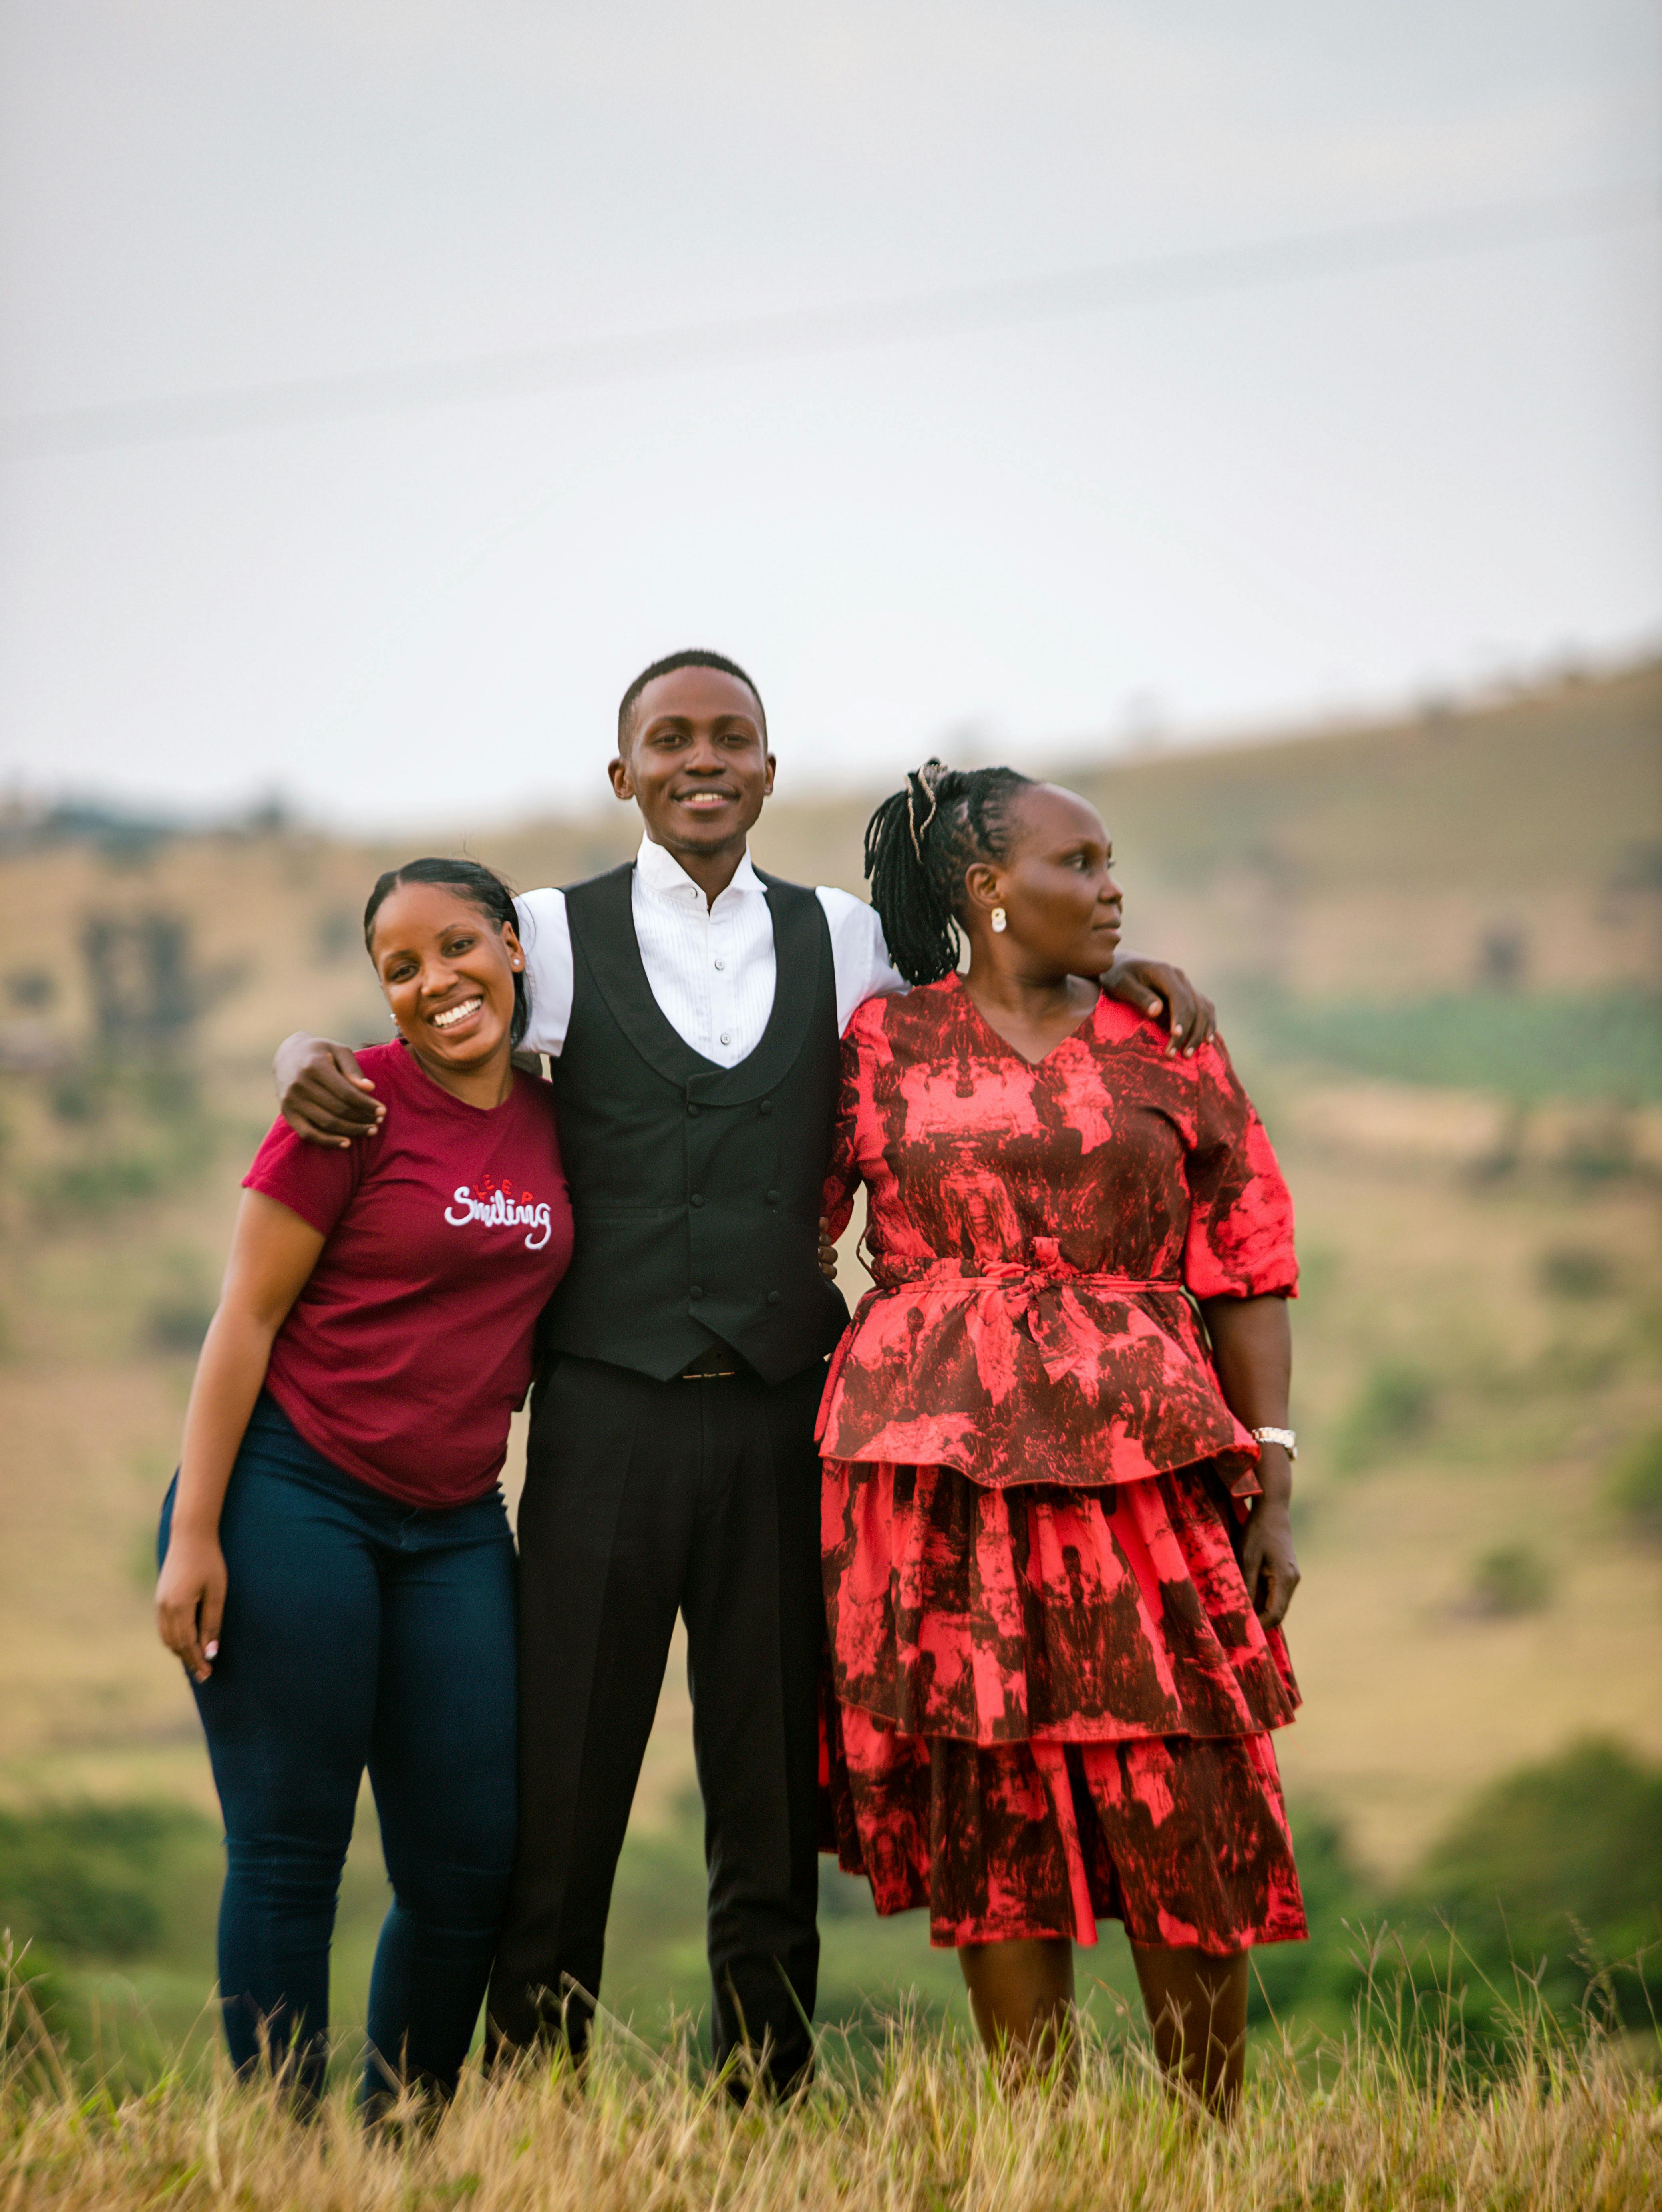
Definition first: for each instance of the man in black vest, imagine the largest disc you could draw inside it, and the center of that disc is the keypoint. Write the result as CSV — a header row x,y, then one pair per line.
x,y
692,1010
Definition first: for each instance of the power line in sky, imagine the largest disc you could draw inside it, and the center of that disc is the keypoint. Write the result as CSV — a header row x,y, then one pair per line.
x,y
1002,303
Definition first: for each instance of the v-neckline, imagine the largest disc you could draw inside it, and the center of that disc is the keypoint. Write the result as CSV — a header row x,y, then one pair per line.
x,y
1014,1051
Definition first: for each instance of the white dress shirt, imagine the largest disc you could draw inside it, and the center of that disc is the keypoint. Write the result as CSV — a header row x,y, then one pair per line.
x,y
712,968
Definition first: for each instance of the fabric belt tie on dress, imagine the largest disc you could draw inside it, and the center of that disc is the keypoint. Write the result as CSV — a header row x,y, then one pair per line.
x,y
1034,1290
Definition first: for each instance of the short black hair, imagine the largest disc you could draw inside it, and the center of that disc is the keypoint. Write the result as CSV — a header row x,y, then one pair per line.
x,y
694,657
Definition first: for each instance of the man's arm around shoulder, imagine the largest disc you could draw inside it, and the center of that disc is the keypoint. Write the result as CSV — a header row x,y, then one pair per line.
x,y
1154,987
322,1093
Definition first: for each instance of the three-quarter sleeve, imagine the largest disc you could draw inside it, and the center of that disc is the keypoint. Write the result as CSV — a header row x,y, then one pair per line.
x,y
1240,1241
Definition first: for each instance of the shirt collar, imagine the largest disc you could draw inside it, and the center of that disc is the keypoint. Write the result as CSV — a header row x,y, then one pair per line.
x,y
662,876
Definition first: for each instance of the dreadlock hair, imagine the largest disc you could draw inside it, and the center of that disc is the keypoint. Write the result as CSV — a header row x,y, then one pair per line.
x,y
917,845
481,887
695,657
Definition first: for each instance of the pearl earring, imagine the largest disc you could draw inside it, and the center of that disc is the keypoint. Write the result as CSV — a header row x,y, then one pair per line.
x,y
1000,919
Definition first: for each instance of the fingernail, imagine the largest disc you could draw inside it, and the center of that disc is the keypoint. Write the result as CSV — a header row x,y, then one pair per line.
x,y
210,1651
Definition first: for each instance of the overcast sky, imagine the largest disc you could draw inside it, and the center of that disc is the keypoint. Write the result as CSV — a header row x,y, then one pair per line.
x,y
1267,500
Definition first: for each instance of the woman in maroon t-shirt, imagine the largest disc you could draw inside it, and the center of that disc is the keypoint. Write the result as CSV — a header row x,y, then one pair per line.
x,y
336,1568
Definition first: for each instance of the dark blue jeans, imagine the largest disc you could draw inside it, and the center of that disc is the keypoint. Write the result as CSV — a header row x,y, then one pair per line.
x,y
358,1631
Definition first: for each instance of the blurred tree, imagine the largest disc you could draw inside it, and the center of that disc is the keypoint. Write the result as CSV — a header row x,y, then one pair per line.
x,y
1577,1271
1511,1579
101,1881
1558,1870
148,991
1634,1487
1394,1406
34,989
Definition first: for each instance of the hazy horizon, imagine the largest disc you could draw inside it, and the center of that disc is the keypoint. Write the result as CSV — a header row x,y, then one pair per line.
x,y
1254,504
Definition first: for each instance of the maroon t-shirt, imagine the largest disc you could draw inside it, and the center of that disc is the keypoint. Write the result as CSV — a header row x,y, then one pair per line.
x,y
411,1344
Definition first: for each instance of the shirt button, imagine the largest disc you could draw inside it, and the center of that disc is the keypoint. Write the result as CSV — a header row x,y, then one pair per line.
x,y
725,1038
696,1292
773,1298
697,1199
692,1113
721,963
773,1198
767,1106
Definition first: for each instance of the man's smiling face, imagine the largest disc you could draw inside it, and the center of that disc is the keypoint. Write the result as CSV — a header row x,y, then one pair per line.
x,y
695,761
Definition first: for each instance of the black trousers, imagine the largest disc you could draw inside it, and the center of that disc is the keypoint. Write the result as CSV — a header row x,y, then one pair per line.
x,y
641,1499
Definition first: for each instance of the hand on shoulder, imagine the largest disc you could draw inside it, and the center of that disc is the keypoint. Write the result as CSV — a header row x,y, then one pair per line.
x,y
1164,995
322,1092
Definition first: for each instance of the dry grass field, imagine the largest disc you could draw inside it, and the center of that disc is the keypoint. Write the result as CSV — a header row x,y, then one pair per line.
x,y
1436,948
1377,2121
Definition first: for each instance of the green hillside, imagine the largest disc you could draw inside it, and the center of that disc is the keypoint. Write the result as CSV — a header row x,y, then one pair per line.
x,y
1435,947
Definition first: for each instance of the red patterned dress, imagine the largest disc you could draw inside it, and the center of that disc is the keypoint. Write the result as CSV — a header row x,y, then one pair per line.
x,y
1052,1698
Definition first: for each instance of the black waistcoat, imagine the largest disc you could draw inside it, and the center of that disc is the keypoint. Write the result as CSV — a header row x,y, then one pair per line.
x,y
695,1189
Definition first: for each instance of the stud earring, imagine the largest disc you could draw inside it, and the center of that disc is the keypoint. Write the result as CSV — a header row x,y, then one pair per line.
x,y
1000,919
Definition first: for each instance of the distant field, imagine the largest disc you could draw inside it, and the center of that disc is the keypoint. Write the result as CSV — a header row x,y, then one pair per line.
x,y
1525,1046
1433,948
1518,846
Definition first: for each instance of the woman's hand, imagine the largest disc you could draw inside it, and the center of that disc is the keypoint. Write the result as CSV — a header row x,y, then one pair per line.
x,y
190,1600
1154,987
828,1251
1269,1566
322,1094
1253,1351
273,1253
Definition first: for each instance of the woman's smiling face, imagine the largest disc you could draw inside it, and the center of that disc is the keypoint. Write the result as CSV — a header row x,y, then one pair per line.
x,y
447,973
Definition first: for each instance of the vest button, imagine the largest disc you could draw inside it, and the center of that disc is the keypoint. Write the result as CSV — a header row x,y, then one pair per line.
x,y
767,1106
773,1298
692,1113
773,1198
696,1292
697,1199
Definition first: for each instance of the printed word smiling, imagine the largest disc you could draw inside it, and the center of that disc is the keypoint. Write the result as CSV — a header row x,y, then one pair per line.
x,y
497,1207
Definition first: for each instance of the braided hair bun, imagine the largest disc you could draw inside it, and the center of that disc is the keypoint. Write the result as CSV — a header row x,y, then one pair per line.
x,y
918,845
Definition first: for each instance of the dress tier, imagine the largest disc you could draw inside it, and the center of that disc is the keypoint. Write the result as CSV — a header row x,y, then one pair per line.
x,y
1052,1696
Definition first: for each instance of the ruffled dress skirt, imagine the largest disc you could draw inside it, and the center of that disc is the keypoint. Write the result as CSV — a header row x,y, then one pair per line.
x,y
1051,1704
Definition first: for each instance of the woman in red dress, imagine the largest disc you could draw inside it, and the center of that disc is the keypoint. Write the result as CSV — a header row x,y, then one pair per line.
x,y
1056,1531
